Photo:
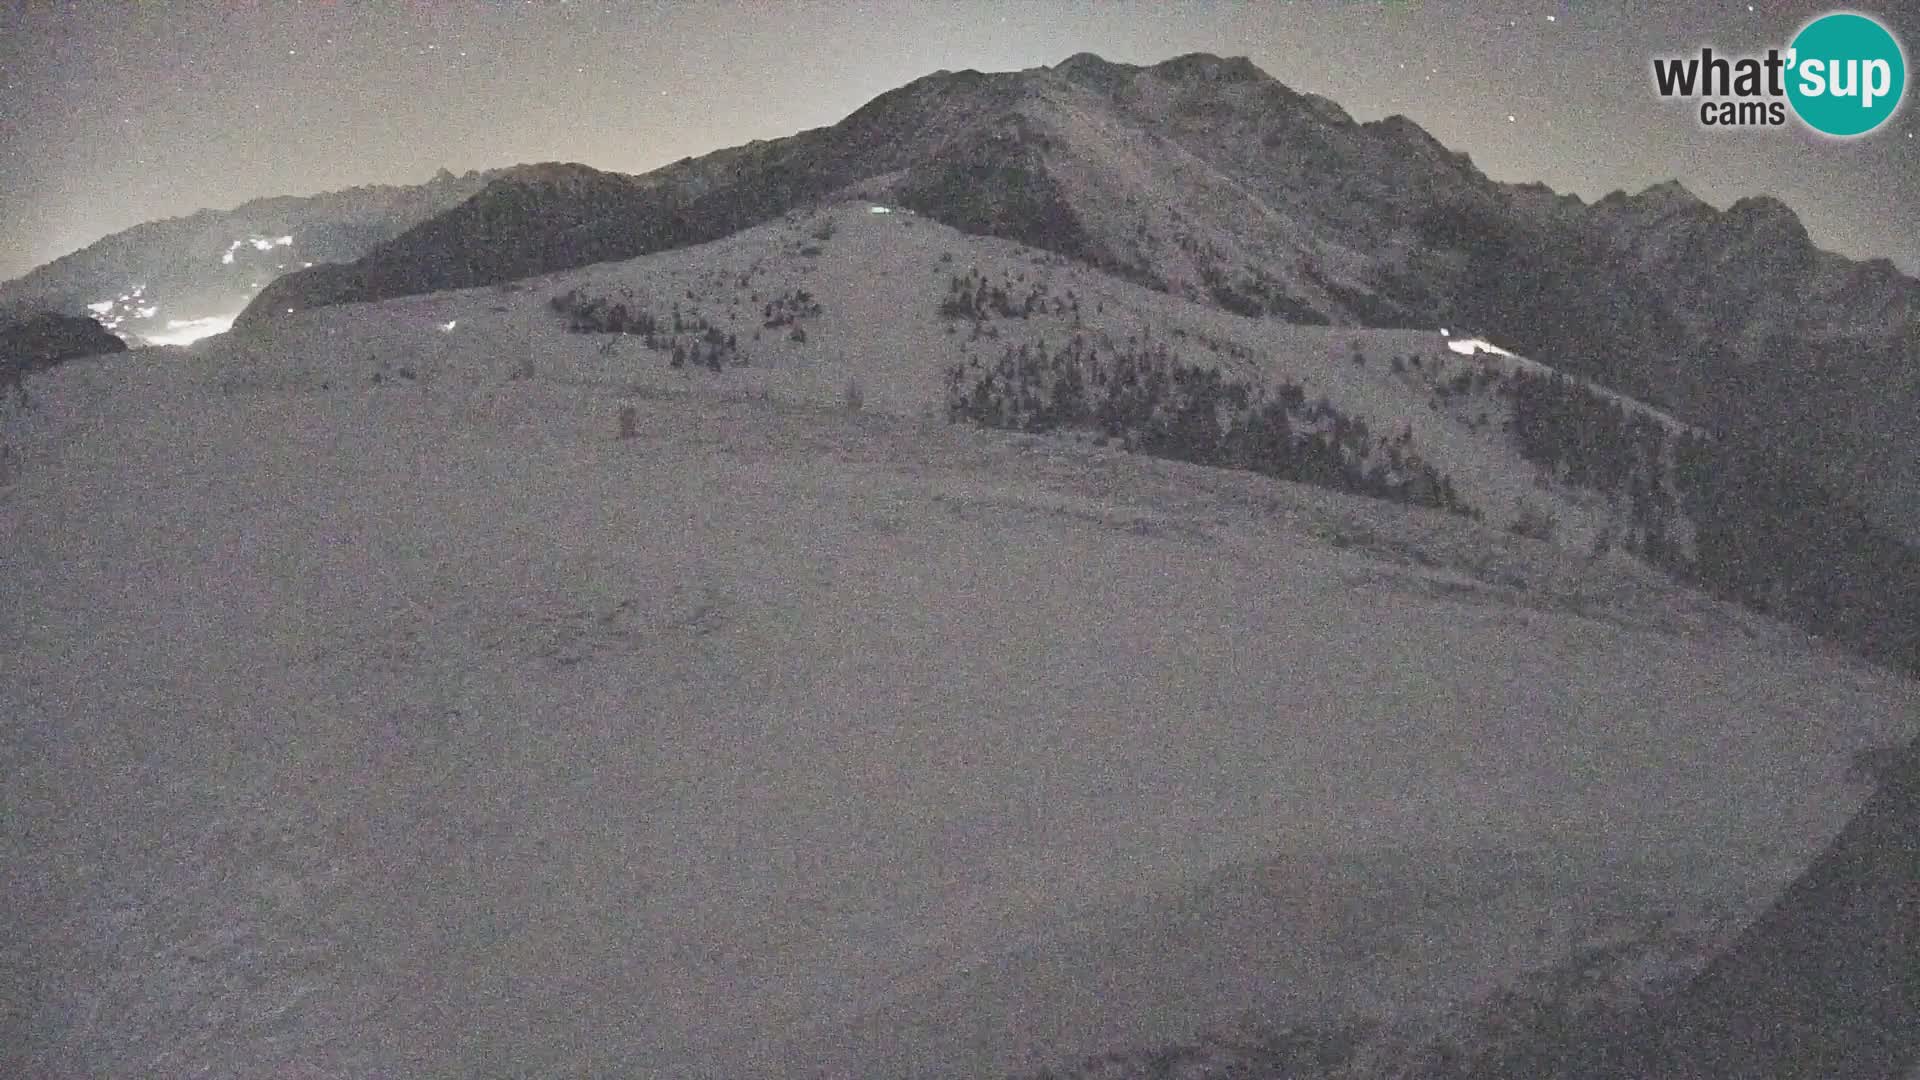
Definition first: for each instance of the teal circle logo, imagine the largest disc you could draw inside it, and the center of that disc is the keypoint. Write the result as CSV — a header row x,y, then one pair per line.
x,y
1846,74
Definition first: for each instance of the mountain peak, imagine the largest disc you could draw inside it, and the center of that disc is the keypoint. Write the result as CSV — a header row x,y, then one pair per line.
x,y
1402,130
1763,208
1090,63
1206,67
1772,223
550,171
1096,72
1657,201
1669,194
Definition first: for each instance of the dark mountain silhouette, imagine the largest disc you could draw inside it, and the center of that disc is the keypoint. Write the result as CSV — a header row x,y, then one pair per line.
x,y
1825,983
35,341
536,219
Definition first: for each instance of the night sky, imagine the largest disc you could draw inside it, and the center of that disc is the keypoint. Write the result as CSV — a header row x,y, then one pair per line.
x,y
119,112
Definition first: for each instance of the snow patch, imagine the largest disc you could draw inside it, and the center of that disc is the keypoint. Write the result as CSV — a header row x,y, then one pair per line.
x,y
1470,346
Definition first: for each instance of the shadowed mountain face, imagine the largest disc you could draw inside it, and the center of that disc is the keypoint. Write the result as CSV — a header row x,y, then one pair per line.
x,y
1206,178
34,342
1826,983
540,218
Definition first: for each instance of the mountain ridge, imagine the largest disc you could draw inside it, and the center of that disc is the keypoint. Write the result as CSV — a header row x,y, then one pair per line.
x,y
1204,177
203,267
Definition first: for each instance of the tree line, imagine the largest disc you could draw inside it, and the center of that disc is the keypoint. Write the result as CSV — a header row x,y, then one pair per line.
x,y
1154,403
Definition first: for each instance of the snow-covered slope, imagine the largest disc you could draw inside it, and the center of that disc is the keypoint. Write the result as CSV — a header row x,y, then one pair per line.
x,y
1204,177
877,280
421,725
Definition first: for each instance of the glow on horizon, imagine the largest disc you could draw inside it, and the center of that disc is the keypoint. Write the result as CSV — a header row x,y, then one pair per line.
x,y
188,331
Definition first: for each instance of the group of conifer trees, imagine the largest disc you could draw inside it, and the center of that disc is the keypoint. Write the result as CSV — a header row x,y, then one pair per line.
x,y
1156,404
683,338
1591,440
1767,533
